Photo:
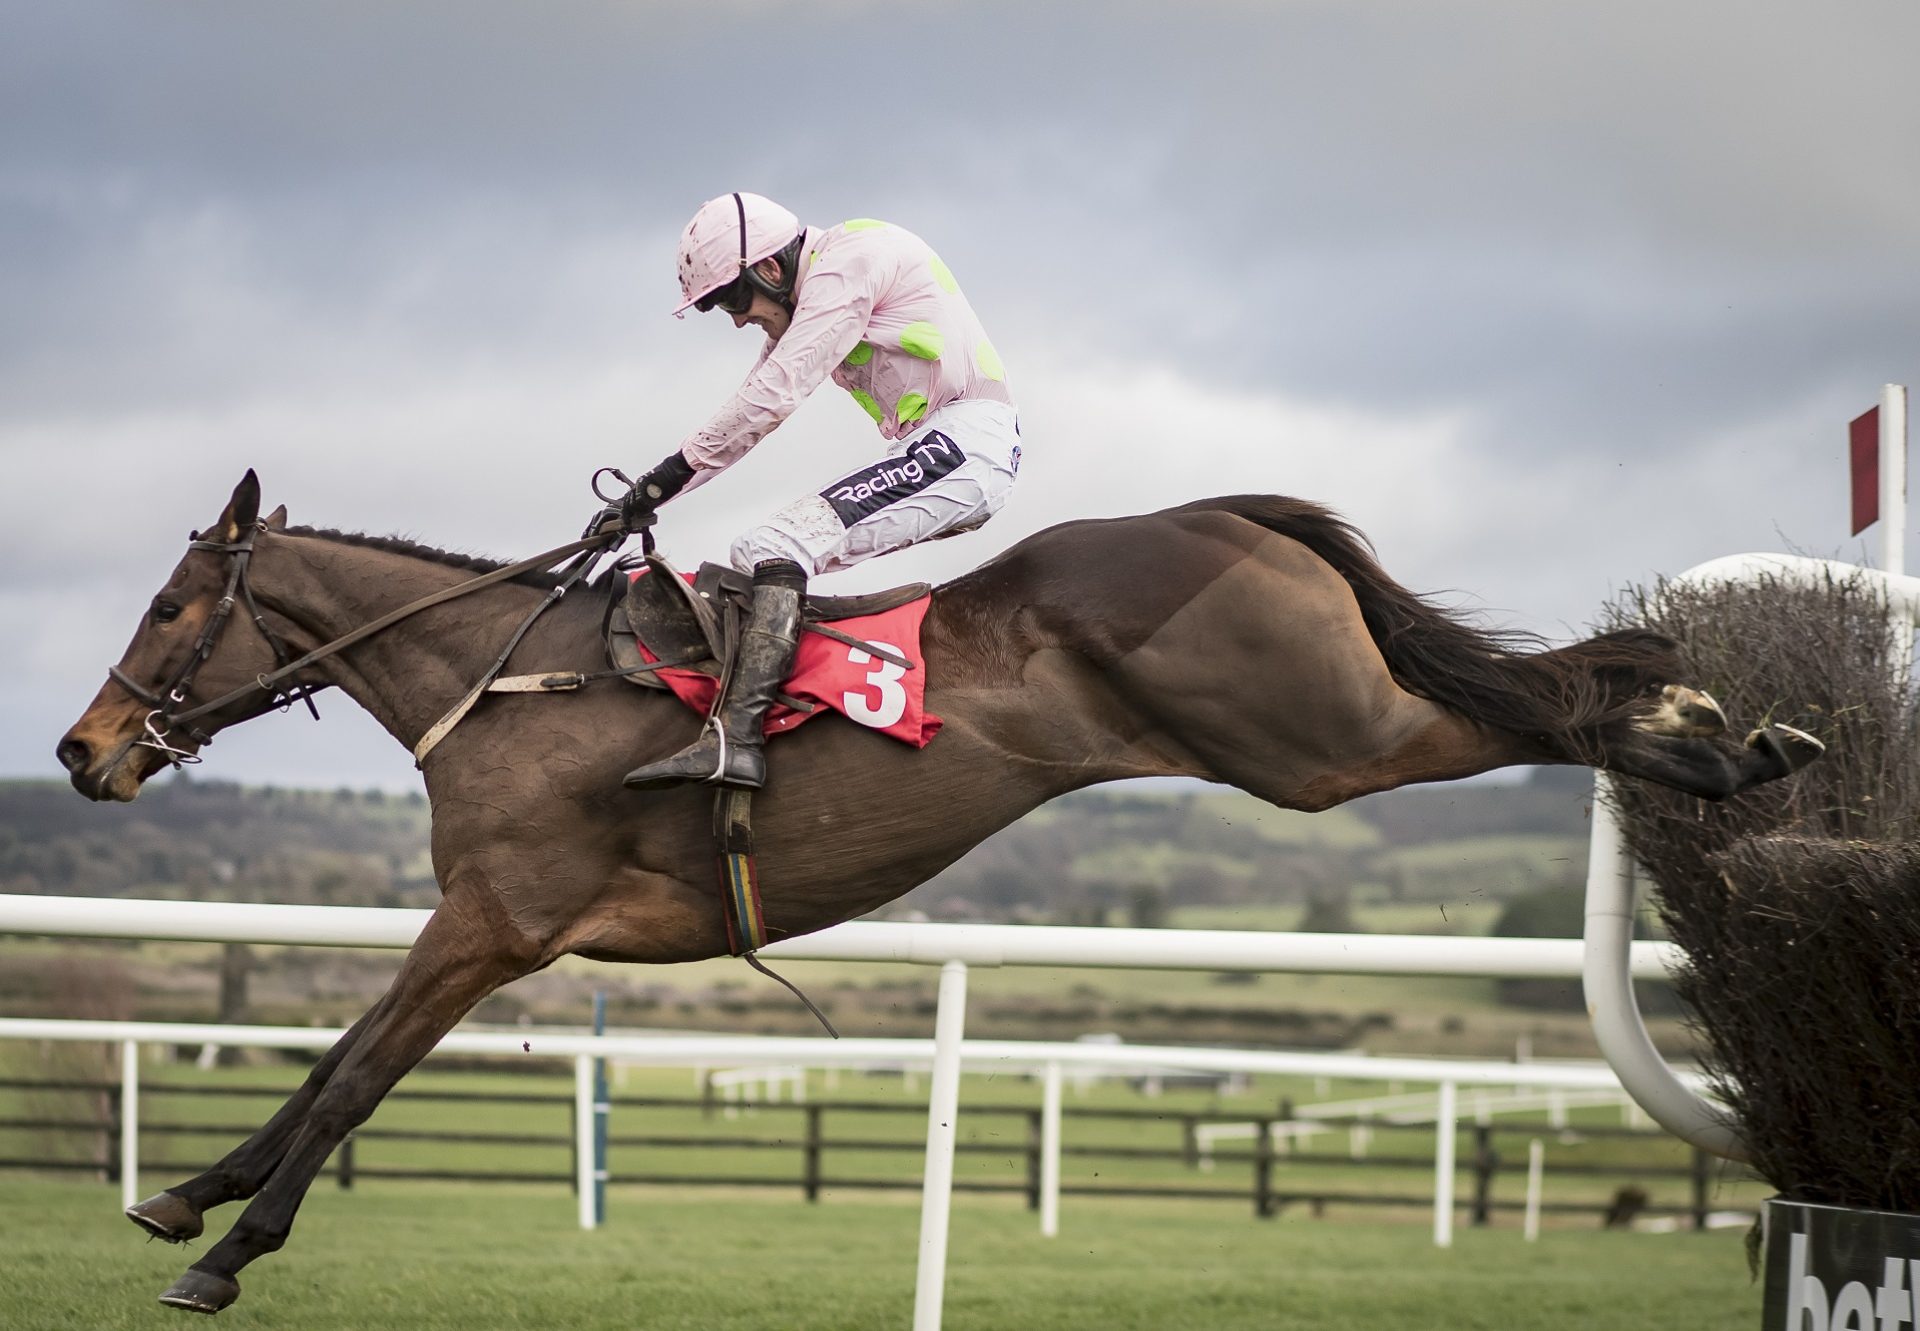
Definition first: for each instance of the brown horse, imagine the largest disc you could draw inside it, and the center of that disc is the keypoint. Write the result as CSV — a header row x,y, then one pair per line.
x,y
1247,640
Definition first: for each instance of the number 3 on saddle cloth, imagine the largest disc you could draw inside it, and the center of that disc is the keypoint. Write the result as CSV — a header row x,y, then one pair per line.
x,y
830,674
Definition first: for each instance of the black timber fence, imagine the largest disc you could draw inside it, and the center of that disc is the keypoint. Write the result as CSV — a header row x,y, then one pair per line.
x,y
1268,1189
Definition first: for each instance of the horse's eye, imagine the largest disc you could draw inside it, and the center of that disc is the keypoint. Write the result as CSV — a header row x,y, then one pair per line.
x,y
165,612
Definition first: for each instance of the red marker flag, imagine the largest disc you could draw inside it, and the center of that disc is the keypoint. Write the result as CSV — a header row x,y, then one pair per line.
x,y
1863,440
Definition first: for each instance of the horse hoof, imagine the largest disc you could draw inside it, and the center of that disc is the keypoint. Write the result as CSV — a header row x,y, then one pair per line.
x,y
1685,713
201,1292
1791,748
167,1216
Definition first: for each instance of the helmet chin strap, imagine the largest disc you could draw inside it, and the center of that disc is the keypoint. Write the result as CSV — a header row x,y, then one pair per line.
x,y
780,292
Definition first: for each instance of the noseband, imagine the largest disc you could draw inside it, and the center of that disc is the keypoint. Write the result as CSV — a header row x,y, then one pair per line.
x,y
172,695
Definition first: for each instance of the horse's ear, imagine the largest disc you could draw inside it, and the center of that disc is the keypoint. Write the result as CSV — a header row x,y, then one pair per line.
x,y
277,520
243,510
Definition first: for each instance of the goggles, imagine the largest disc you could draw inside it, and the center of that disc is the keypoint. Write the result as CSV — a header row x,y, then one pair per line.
x,y
736,297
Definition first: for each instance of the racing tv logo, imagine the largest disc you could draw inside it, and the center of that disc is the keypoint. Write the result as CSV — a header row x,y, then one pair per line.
x,y
890,480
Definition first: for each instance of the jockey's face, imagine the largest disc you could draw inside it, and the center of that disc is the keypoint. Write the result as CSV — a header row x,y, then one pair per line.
x,y
766,313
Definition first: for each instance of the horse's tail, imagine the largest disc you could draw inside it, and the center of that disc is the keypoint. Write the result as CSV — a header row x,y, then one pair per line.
x,y
1507,680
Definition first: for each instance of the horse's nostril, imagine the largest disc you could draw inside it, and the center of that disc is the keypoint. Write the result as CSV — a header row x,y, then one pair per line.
x,y
73,754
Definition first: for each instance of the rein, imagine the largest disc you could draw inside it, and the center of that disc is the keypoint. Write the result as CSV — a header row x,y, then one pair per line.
x,y
161,721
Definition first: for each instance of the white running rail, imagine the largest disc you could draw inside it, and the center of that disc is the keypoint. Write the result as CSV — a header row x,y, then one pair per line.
x,y
1412,1110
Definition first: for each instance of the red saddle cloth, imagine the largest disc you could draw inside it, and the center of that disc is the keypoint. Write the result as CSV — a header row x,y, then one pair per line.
x,y
864,688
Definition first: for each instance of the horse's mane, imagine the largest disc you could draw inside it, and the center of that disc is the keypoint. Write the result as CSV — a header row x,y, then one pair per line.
x,y
401,545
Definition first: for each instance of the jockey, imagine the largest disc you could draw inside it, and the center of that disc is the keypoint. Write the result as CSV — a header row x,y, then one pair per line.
x,y
870,306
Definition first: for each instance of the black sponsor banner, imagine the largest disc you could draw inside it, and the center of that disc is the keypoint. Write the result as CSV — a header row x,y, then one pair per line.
x,y
1832,1268
871,489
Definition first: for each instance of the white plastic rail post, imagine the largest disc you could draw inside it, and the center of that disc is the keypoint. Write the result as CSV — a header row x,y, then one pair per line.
x,y
943,1109
1893,478
1617,1025
129,1122
1893,510
1536,1163
1445,1124
1050,1153
583,1137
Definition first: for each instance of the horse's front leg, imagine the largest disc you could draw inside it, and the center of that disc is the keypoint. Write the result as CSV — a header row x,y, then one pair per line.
x,y
176,1214
465,953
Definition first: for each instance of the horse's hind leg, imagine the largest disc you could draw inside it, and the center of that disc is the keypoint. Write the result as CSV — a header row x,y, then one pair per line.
x,y
175,1215
1269,680
1707,770
1412,741
462,956
1684,712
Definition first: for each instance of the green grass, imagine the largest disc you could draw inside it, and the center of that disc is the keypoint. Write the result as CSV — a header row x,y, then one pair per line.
x,y
1462,919
1340,829
467,1258
1155,863
1263,917
1460,852
1333,993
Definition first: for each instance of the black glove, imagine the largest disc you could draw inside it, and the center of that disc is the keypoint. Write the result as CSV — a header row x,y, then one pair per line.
x,y
665,481
608,519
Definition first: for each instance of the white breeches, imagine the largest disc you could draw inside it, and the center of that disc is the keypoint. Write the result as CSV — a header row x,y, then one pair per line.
x,y
948,476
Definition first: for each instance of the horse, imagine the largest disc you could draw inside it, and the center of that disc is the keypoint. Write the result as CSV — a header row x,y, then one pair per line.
x,y
1248,640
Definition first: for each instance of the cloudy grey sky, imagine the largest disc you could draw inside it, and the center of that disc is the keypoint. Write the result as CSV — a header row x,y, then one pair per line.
x,y
1547,297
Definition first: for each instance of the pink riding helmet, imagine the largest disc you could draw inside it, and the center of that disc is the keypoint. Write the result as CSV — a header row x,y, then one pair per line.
x,y
728,235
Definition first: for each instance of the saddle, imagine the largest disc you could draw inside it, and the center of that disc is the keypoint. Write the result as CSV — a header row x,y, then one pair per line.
x,y
694,625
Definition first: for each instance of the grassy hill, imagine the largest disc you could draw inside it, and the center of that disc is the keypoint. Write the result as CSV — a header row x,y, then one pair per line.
x,y
214,840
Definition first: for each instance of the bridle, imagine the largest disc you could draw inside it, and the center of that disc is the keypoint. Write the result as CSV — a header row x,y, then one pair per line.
x,y
284,688
283,684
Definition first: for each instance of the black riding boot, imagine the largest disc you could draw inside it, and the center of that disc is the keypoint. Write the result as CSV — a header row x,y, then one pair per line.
x,y
729,753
